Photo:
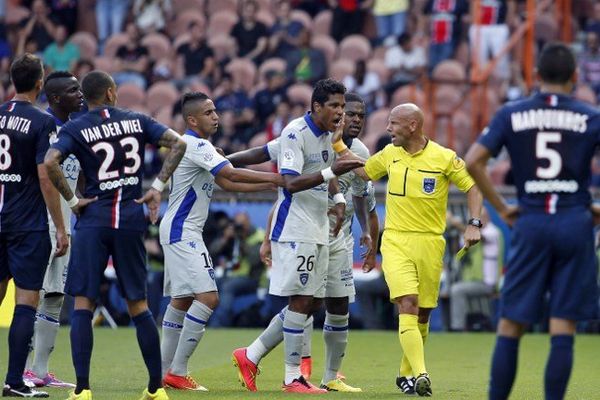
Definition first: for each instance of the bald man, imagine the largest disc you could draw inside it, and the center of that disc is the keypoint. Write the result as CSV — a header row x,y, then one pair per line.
x,y
419,173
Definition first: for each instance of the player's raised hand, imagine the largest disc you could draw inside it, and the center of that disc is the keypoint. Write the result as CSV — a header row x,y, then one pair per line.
x,y
265,252
62,243
342,165
339,211
339,130
81,204
510,214
152,200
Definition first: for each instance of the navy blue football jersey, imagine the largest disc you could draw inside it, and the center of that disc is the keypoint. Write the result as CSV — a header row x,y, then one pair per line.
x,y
551,139
24,139
109,144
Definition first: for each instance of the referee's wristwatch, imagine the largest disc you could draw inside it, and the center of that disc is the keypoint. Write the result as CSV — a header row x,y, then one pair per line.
x,y
475,222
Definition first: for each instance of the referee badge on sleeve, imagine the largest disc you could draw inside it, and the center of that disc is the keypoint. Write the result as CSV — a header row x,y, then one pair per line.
x,y
428,185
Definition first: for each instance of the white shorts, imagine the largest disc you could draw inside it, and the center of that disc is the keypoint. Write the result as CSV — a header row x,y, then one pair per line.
x,y
188,269
340,279
298,269
56,273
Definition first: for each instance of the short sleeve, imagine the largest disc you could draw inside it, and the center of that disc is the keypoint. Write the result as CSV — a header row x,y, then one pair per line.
x,y
291,157
271,149
152,129
493,136
64,142
376,165
456,171
203,154
43,140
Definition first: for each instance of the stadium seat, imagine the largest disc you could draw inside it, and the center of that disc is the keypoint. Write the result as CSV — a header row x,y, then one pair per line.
x,y
243,72
221,45
113,43
322,23
266,17
182,21
303,17
130,95
164,115
446,98
106,64
88,46
462,124
259,139
586,93
217,6
221,23
179,40
270,64
378,66
408,94
341,68
327,45
198,86
139,108
15,14
546,27
376,126
300,93
379,53
450,70
159,46
161,94
184,6
355,47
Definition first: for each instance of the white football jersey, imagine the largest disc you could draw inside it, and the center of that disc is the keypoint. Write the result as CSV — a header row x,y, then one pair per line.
x,y
191,190
302,216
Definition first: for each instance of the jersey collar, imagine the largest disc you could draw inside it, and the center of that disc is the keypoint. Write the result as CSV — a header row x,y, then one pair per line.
x,y
192,133
56,119
313,127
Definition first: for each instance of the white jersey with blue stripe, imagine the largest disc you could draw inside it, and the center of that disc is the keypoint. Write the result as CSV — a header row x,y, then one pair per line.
x,y
302,216
191,190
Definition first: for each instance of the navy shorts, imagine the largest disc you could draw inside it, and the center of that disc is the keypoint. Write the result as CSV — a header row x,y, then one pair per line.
x,y
551,254
91,250
24,257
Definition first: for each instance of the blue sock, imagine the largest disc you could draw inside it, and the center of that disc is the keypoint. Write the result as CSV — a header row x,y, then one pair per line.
x,y
504,367
149,341
82,342
558,367
19,337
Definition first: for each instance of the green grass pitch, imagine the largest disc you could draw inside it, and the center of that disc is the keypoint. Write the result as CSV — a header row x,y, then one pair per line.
x,y
458,364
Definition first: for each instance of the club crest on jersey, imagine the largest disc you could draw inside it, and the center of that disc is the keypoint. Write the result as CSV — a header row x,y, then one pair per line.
x,y
105,114
428,185
211,272
325,155
303,278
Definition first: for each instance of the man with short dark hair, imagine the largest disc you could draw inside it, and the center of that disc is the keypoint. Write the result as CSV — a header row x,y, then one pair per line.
x,y
24,188
109,144
551,139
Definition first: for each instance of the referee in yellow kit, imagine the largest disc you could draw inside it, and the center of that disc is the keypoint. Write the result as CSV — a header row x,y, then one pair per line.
x,y
419,174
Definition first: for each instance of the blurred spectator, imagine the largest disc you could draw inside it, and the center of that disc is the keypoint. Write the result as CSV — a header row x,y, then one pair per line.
x,y
479,276
285,31
132,59
367,84
489,33
312,7
445,22
265,101
65,11
110,15
231,98
152,15
195,59
589,62
62,54
40,27
515,87
390,17
240,245
250,35
406,62
81,68
306,64
283,115
348,17
593,24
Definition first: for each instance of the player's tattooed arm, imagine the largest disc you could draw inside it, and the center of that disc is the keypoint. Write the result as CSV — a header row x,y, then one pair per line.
x,y
255,155
177,146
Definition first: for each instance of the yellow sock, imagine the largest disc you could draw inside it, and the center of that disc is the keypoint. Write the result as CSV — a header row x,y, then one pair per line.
x,y
412,343
424,329
405,369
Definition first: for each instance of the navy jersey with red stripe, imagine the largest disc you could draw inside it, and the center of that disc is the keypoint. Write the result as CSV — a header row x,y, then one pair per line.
x,y
24,139
109,144
551,139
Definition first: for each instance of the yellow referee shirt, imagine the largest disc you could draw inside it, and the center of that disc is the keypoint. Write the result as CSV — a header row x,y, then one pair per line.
x,y
417,190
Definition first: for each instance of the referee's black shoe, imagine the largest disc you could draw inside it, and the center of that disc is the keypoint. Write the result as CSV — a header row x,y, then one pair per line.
x,y
23,391
406,385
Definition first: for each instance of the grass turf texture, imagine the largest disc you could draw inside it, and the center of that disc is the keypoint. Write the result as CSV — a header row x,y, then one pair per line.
x,y
458,364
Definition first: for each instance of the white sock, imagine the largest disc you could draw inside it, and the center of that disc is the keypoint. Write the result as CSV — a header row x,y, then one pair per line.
x,y
193,329
293,332
171,330
335,334
268,339
46,330
307,338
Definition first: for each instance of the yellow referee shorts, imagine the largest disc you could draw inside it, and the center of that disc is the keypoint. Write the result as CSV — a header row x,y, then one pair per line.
x,y
412,264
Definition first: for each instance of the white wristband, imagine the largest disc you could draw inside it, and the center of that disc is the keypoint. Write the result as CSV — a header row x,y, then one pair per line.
x,y
339,198
158,185
73,202
327,174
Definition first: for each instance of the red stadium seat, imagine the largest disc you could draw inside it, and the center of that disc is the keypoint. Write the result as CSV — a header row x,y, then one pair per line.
x,y
586,93
183,20
327,45
222,45
217,6
302,17
159,46
184,6
266,17
270,64
221,23
106,64
181,39
341,68
322,23
446,98
198,86
300,93
546,27
130,95
87,43
259,139
355,47
161,94
164,115
378,66
15,14
113,43
375,128
408,94
450,70
243,72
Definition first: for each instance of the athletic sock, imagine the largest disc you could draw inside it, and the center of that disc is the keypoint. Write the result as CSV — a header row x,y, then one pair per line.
x,y
504,367
149,342
558,367
405,369
307,337
268,339
412,343
19,338
171,330
335,334
193,329
82,342
46,329
293,330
